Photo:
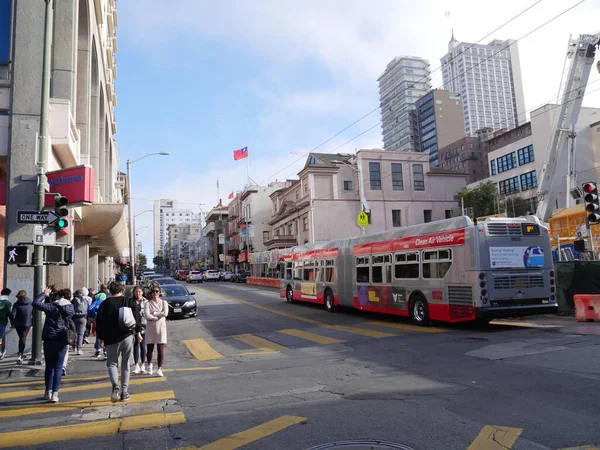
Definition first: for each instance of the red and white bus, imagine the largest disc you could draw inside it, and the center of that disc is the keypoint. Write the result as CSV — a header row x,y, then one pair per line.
x,y
451,270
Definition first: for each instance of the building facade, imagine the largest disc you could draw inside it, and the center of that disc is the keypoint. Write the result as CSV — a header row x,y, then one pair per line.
x,y
405,80
439,122
167,212
217,226
81,130
488,79
180,243
468,155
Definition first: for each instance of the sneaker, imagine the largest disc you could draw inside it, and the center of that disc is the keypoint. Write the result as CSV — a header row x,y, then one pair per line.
x,y
137,370
54,398
85,341
116,394
159,373
105,356
150,369
64,371
48,395
20,360
125,396
2,354
79,352
143,369
97,355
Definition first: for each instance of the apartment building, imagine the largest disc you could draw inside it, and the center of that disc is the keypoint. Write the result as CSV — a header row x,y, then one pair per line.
x,y
468,155
167,212
217,225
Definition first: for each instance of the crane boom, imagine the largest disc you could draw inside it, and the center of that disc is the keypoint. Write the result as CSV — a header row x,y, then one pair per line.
x,y
581,55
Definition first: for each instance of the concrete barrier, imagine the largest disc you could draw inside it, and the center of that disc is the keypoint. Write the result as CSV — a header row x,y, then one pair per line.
x,y
587,308
267,282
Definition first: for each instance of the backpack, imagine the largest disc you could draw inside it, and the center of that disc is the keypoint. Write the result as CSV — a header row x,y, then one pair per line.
x,y
80,307
69,333
92,311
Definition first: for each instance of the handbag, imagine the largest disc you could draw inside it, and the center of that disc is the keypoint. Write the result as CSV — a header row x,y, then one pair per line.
x,y
69,333
126,319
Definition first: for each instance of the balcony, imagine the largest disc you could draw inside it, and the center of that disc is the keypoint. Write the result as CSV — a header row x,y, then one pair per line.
x,y
64,135
280,241
209,228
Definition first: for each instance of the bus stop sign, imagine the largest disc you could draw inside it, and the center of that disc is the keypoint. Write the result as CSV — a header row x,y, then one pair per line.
x,y
363,219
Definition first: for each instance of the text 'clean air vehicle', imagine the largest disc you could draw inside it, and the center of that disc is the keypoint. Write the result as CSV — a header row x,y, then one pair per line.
x,y
452,270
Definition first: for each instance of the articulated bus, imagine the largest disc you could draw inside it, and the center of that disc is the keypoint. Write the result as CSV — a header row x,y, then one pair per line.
x,y
451,270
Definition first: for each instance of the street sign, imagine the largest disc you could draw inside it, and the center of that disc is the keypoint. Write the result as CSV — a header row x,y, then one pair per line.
x,y
18,254
362,219
47,217
43,235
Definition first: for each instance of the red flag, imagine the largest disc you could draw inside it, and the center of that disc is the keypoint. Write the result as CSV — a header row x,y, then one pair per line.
x,y
240,154
230,195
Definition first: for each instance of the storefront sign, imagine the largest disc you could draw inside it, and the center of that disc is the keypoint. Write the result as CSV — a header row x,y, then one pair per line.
x,y
75,183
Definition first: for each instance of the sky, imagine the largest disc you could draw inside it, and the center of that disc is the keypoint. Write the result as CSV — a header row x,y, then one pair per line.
x,y
198,79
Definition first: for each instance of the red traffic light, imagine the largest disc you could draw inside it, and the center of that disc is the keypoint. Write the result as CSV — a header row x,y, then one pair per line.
x,y
590,187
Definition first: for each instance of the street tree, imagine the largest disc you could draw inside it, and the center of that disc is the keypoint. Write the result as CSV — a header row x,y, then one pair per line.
x,y
482,199
158,261
141,260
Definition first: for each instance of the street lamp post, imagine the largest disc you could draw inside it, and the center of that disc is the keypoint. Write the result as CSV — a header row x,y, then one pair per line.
x,y
129,208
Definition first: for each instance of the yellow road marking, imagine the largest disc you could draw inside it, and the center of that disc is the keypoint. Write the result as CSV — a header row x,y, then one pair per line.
x,y
582,447
259,342
274,311
511,323
88,430
407,327
64,381
253,434
201,350
493,437
361,331
80,404
311,336
192,369
256,352
40,392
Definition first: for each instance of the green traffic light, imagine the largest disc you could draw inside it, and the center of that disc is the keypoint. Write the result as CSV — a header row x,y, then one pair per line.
x,y
61,223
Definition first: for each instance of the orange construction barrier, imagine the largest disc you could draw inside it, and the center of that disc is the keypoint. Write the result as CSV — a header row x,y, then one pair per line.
x,y
587,307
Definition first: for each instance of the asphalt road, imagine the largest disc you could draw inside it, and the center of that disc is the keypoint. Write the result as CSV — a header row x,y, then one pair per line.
x,y
255,372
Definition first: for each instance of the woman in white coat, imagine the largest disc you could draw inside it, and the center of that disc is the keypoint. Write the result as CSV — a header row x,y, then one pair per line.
x,y
157,311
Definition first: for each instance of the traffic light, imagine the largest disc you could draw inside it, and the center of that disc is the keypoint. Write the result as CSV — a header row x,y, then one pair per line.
x,y
60,209
592,202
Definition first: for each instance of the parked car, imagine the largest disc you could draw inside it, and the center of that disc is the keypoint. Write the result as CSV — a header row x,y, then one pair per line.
x,y
212,275
164,281
195,276
226,276
240,276
181,301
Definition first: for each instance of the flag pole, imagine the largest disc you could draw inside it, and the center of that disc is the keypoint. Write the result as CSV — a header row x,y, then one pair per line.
x,y
248,167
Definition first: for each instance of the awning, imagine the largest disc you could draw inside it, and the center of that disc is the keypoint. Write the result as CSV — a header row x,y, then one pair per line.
x,y
106,225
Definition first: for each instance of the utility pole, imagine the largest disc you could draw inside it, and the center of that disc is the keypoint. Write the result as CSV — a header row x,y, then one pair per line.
x,y
39,280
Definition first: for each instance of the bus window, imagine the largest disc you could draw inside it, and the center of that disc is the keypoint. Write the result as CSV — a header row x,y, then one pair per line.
x,y
288,271
362,269
436,263
319,271
377,274
381,271
298,265
330,271
406,265
309,272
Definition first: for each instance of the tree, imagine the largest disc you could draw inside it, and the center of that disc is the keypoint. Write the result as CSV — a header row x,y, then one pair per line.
x,y
141,260
158,261
517,206
482,199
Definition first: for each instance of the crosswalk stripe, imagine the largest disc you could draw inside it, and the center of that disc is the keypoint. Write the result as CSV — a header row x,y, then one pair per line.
x,y
41,381
512,323
311,336
40,392
88,430
259,342
81,404
361,331
192,369
582,447
406,327
201,350
493,437
253,434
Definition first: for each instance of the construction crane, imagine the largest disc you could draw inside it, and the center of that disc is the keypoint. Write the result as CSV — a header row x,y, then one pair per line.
x,y
578,64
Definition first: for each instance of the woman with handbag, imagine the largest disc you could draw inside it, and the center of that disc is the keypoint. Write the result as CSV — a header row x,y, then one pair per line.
x,y
157,311
139,348
56,336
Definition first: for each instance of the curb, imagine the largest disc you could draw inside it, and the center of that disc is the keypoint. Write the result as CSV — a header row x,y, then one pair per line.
x,y
22,372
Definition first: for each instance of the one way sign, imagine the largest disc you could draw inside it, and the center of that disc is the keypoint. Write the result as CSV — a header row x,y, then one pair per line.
x,y
47,217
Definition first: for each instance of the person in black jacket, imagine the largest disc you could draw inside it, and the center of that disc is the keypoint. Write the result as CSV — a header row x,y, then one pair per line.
x,y
58,313
118,340
21,320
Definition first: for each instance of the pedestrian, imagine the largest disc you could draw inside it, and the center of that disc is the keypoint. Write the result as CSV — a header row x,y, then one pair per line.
x,y
88,296
118,336
92,313
55,337
157,311
139,348
21,320
5,310
80,306
65,295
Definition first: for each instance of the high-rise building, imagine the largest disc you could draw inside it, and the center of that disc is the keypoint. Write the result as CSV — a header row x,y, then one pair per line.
x,y
167,212
439,122
488,79
405,80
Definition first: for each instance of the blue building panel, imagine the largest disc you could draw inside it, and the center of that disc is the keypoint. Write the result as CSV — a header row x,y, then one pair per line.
x,y
5,16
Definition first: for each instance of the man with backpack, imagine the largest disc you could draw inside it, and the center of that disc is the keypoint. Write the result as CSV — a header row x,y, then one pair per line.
x,y
118,323
80,305
5,310
92,314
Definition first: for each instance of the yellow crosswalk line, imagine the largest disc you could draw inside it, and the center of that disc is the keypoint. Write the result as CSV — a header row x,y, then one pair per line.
x,y
69,380
311,336
406,327
192,369
582,447
361,331
494,437
258,342
201,350
88,430
253,434
87,387
81,404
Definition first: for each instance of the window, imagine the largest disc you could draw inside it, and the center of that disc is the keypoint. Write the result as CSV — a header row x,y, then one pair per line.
x,y
528,180
418,177
406,265
297,194
381,270
493,166
427,215
509,186
309,271
290,229
526,155
362,269
397,181
507,162
306,186
448,214
305,223
348,185
330,271
375,176
396,218
436,263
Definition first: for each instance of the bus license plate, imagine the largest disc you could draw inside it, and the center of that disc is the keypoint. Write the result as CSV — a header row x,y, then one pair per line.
x,y
176,310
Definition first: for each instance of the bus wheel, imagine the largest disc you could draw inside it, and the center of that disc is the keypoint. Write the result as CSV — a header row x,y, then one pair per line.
x,y
289,295
329,304
419,311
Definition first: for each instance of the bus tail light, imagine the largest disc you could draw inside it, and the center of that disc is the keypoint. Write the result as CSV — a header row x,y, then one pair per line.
x,y
552,289
552,273
482,275
482,284
551,281
484,300
552,297
484,292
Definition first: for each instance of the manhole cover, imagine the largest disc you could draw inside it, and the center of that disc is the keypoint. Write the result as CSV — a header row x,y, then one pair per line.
x,y
471,339
362,445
